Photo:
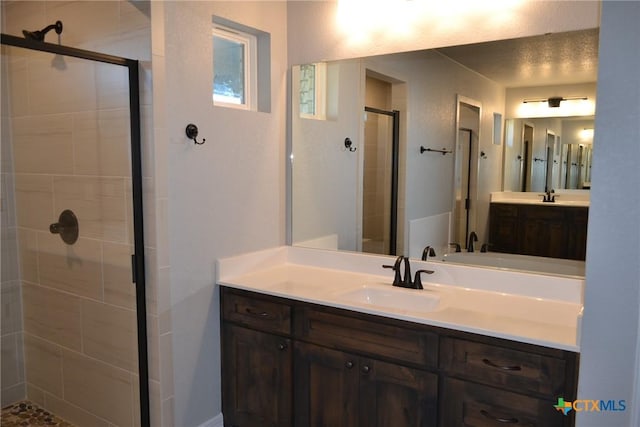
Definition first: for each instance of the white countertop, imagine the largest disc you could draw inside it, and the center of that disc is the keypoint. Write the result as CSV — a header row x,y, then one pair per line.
x,y
568,198
536,309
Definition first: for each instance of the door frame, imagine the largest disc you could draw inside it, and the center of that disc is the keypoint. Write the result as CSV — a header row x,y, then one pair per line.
x,y
474,173
395,155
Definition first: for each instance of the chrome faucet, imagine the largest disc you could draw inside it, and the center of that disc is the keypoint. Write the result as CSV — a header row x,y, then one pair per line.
x,y
405,281
473,237
428,252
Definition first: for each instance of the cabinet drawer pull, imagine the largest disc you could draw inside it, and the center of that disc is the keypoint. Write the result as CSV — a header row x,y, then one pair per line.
x,y
282,346
499,419
366,369
349,364
255,313
504,368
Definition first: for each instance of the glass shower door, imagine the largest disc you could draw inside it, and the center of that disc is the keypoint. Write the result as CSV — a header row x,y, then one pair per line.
x,y
69,310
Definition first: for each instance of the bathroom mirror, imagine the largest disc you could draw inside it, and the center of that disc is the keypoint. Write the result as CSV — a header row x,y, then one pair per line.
x,y
377,141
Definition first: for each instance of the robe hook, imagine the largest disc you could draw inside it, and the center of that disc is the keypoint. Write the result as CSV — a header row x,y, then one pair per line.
x,y
192,133
348,144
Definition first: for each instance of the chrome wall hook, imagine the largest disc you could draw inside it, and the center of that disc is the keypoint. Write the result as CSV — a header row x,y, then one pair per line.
x,y
348,144
192,133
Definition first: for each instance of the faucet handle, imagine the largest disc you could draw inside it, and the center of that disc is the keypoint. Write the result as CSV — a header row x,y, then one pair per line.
x,y
397,279
457,246
417,282
407,273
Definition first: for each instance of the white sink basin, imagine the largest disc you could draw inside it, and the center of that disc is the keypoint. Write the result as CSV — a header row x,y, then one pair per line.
x,y
417,300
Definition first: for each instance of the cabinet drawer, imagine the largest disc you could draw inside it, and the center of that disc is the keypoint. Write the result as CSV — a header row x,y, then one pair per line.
x,y
256,313
546,213
504,210
370,337
473,405
503,367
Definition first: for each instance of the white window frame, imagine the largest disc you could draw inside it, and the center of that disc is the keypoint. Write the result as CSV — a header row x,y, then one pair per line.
x,y
249,41
320,88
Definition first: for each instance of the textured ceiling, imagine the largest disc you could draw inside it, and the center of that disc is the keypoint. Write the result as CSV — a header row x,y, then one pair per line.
x,y
552,59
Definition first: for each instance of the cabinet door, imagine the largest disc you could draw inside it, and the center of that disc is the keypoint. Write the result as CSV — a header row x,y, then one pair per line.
x,y
577,231
503,228
326,384
543,231
256,378
393,395
466,404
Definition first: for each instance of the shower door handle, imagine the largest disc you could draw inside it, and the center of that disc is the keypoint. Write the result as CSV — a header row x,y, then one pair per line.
x,y
66,227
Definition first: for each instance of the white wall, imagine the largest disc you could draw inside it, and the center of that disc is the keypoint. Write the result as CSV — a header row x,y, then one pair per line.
x,y
315,32
224,197
609,357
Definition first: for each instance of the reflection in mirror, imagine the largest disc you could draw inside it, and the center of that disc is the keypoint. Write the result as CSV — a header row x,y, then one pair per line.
x,y
548,153
343,198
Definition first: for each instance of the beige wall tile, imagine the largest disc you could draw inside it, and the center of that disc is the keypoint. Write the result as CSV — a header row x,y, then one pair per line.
x,y
109,334
61,86
99,204
153,343
28,244
101,143
43,361
99,388
86,21
10,268
34,201
12,364
151,280
35,394
118,286
73,268
112,86
167,412
134,16
18,87
52,315
13,394
43,144
19,15
72,413
11,308
166,364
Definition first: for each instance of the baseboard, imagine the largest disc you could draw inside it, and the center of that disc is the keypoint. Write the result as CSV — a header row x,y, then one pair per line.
x,y
216,421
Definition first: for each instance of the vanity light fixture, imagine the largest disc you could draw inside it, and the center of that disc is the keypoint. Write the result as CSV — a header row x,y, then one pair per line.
x,y
554,101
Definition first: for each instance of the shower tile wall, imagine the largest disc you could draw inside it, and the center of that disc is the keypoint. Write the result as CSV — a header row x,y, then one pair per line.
x,y
69,135
13,385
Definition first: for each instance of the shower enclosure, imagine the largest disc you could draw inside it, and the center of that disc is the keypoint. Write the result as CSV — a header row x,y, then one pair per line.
x,y
73,309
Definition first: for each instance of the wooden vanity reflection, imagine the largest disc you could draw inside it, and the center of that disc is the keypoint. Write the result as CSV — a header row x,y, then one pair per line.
x,y
548,230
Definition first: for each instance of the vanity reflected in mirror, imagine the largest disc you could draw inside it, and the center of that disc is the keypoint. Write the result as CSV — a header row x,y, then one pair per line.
x,y
394,153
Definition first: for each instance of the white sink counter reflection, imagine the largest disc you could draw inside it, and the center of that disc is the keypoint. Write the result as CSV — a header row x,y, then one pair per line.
x,y
537,309
569,198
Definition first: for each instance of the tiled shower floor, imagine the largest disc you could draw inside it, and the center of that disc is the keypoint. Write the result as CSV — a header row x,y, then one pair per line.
x,y
27,414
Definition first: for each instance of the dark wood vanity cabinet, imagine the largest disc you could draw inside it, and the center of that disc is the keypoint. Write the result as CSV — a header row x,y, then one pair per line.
x,y
491,382
548,231
286,362
358,370
257,361
335,388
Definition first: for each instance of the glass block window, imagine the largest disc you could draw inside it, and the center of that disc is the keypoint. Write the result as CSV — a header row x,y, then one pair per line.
x,y
312,90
